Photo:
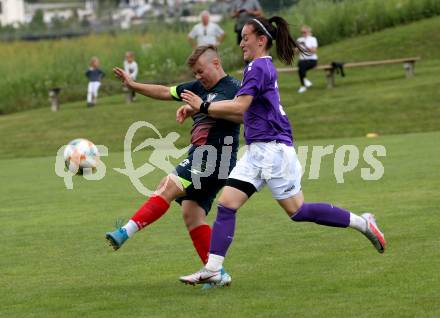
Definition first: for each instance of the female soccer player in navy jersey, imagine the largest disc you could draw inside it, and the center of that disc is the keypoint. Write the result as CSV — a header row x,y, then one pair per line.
x,y
270,158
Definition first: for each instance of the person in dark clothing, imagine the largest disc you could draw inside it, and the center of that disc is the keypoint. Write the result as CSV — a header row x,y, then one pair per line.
x,y
94,74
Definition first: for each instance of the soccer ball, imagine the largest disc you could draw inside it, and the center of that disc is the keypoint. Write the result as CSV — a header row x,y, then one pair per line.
x,y
81,154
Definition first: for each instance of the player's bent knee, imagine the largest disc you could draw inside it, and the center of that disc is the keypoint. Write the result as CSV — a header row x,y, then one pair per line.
x,y
301,214
293,204
170,188
291,213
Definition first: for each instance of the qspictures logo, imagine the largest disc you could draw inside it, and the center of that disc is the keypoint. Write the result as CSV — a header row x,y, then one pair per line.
x,y
346,158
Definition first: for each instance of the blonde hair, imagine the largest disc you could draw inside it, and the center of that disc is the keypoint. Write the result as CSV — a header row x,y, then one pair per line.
x,y
198,52
94,60
306,27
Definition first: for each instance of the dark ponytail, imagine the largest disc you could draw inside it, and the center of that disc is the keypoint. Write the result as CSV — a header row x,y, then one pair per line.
x,y
286,45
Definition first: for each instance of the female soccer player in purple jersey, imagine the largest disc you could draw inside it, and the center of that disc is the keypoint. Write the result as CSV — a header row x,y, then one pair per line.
x,y
270,158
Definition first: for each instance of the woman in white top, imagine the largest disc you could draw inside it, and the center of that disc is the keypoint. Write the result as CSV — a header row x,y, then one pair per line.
x,y
307,61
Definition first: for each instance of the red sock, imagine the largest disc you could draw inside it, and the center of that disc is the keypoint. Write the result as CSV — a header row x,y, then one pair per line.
x,y
150,211
201,237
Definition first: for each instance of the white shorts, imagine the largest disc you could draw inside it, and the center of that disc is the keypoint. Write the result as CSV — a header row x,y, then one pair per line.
x,y
271,163
93,88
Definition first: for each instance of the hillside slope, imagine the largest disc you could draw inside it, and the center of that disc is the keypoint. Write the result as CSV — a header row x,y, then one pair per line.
x,y
416,39
376,99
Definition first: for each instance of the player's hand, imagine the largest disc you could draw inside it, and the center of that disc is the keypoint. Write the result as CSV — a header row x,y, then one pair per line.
x,y
123,76
183,112
191,99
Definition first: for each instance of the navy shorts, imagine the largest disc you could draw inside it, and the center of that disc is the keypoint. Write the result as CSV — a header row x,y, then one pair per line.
x,y
205,192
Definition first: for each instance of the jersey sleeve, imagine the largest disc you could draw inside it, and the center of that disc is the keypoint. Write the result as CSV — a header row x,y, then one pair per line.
x,y
252,81
175,91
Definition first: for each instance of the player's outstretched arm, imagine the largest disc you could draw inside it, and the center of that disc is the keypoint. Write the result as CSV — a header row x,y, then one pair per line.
x,y
221,109
154,91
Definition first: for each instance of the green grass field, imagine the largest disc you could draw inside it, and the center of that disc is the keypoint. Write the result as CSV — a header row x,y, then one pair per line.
x,y
56,263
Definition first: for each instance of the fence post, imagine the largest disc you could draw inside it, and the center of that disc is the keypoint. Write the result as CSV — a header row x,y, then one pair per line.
x,y
330,75
409,68
130,96
54,98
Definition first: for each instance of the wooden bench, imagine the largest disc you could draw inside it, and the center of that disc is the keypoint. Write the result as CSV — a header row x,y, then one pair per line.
x,y
408,65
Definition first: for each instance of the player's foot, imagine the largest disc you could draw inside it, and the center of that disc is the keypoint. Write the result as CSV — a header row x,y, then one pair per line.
x,y
117,238
307,83
202,276
302,89
373,233
224,282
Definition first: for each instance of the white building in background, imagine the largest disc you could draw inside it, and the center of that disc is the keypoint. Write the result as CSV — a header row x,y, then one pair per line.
x,y
130,10
12,12
62,10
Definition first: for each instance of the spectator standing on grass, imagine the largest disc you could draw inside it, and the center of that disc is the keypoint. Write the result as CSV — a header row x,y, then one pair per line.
x,y
243,11
131,68
206,32
95,75
308,60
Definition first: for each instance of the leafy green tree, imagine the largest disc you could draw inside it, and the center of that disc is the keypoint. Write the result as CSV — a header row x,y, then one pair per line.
x,y
106,6
57,23
73,20
37,22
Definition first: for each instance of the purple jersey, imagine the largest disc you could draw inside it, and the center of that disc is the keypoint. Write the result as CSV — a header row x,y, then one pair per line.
x,y
265,119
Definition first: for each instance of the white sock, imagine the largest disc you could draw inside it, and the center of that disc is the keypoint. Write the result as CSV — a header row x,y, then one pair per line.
x,y
131,228
358,223
215,263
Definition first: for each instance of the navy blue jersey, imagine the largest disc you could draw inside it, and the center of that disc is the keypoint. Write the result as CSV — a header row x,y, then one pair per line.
x,y
205,129
94,74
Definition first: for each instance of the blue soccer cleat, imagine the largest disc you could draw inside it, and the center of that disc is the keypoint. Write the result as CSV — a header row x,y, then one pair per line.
x,y
117,238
